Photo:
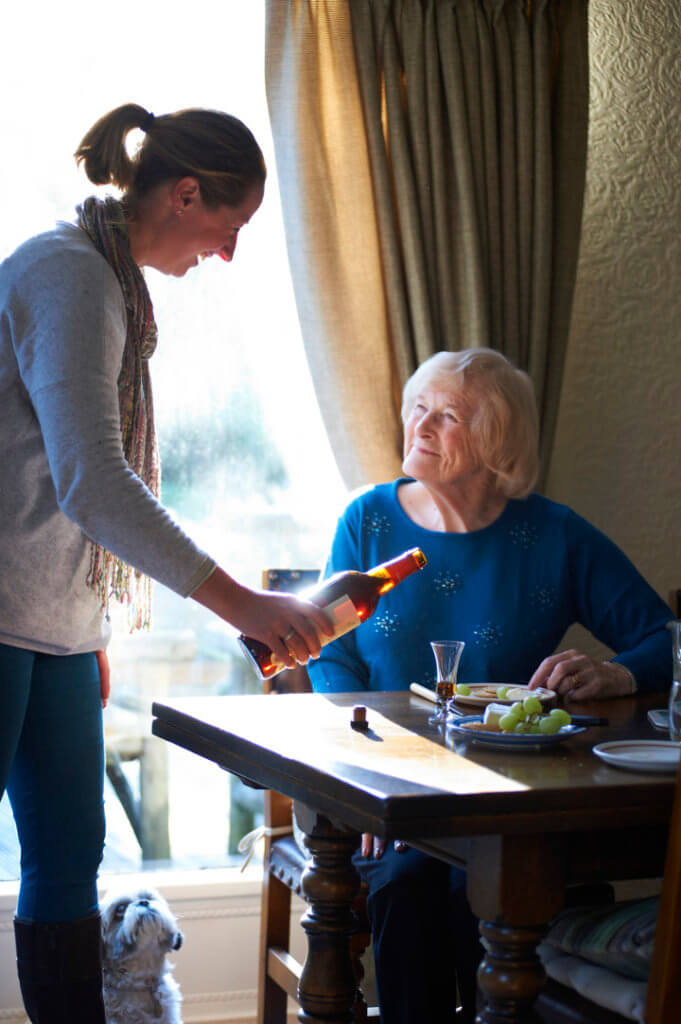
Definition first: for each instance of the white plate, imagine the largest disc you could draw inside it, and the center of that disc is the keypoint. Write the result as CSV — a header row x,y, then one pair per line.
x,y
483,694
512,741
641,755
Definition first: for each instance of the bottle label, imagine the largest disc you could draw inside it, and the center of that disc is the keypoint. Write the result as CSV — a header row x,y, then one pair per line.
x,y
343,614
344,617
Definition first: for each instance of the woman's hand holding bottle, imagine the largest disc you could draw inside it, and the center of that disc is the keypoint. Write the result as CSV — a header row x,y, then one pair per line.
x,y
294,629
348,598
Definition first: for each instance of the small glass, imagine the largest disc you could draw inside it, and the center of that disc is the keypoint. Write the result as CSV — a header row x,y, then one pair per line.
x,y
675,692
447,656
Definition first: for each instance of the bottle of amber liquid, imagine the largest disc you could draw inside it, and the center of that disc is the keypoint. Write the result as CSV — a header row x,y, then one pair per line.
x,y
348,598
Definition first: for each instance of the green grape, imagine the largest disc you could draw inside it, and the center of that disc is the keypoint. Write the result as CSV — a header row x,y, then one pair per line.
x,y
516,709
560,716
463,689
535,729
532,705
521,727
549,725
508,723
502,691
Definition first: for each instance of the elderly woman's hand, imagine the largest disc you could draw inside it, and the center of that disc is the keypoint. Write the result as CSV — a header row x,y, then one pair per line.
x,y
374,846
576,676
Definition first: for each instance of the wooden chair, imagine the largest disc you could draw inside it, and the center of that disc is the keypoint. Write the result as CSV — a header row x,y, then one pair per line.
x,y
283,862
558,1004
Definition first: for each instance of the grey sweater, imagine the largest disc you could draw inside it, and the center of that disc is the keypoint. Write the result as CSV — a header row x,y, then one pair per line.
x,y
64,478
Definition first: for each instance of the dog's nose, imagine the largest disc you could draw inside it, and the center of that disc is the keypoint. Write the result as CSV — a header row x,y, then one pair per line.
x,y
143,903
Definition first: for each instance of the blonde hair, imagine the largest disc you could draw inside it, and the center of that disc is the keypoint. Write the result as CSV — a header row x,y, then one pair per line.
x,y
503,411
215,148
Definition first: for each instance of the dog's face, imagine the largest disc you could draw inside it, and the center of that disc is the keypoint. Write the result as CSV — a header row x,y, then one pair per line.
x,y
138,926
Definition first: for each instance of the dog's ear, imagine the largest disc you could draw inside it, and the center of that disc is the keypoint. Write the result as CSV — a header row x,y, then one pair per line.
x,y
178,939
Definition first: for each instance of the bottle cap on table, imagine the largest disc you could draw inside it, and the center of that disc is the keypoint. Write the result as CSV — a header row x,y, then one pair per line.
x,y
359,717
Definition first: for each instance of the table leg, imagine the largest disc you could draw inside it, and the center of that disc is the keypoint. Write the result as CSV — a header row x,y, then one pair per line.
x,y
515,887
327,988
511,974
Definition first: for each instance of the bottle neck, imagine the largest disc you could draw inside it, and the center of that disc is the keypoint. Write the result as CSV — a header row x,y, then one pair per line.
x,y
397,569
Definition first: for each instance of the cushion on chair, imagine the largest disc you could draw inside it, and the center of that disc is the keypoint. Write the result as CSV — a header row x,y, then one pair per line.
x,y
619,937
611,992
603,953
287,862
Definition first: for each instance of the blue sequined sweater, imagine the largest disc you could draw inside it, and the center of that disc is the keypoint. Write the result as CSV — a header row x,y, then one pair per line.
x,y
510,591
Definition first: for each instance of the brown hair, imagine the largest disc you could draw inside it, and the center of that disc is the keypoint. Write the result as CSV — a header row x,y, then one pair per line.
x,y
215,148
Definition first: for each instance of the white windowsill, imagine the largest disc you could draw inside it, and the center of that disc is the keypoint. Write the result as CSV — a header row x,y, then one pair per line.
x,y
174,884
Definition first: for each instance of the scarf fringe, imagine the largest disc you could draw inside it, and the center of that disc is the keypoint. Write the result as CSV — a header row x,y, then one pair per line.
x,y
113,579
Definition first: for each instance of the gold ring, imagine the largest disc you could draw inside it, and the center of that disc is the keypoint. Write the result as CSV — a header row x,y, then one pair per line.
x,y
576,681
288,636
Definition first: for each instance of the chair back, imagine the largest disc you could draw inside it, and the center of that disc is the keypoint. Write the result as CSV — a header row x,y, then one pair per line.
x,y
663,1004
289,581
284,862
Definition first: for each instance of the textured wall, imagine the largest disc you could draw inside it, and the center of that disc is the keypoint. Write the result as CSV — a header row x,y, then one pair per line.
x,y
617,458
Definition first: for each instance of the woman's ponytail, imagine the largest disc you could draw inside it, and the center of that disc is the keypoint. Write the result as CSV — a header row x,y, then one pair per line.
x,y
102,150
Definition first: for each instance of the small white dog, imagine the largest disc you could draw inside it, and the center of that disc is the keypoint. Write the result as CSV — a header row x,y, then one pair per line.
x,y
138,930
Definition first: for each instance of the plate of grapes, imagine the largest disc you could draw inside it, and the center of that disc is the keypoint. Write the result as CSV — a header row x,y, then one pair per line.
x,y
524,725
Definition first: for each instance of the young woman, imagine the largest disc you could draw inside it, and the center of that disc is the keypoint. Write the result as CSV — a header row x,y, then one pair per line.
x,y
79,504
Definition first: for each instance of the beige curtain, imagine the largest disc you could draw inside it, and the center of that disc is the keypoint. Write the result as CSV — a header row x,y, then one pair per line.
x,y
431,158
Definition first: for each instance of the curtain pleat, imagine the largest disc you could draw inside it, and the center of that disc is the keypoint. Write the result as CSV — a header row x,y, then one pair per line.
x,y
330,221
454,132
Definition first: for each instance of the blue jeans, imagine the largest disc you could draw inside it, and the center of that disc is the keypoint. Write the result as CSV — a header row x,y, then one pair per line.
x,y
425,937
52,764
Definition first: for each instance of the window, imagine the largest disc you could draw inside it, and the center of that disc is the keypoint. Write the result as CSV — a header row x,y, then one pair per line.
x,y
246,464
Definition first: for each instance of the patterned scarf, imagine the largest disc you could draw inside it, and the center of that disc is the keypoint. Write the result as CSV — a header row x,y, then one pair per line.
x,y
104,222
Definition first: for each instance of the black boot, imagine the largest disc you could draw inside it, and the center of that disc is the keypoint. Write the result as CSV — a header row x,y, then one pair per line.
x,y
60,970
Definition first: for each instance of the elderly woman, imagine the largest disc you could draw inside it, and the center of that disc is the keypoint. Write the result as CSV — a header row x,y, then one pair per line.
x,y
79,505
508,572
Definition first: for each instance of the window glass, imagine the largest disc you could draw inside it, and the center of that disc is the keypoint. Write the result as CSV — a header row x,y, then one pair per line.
x,y
247,468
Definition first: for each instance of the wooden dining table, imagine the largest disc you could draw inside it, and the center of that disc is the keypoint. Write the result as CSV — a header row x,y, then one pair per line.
x,y
526,824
